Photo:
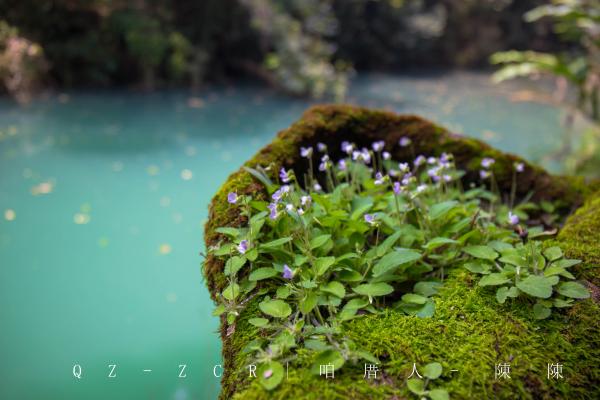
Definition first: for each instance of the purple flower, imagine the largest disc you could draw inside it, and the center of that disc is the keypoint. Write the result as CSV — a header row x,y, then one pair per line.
x,y
342,165
322,147
431,160
232,197
512,218
306,152
447,178
267,374
279,193
284,175
378,146
397,188
347,147
404,141
487,162
287,272
403,167
273,208
304,200
433,172
483,174
379,178
300,211
243,246
362,155
289,207
370,218
317,187
386,155
419,160
406,179
519,167
444,158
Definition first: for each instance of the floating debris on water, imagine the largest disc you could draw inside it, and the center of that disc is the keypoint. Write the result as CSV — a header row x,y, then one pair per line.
x,y
165,201
177,218
186,175
81,218
165,248
153,170
190,151
10,214
171,297
195,102
42,188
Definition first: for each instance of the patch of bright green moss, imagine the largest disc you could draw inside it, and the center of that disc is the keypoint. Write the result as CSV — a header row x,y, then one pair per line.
x,y
580,238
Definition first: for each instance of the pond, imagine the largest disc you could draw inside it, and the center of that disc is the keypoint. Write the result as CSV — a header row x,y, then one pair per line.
x,y
103,197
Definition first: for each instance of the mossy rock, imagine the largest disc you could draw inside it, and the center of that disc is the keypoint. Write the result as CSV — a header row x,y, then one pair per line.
x,y
470,331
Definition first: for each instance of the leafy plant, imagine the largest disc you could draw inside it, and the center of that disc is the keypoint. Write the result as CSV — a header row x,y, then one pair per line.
x,y
381,234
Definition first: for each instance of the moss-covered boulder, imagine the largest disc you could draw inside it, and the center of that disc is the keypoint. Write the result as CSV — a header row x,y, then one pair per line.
x,y
470,332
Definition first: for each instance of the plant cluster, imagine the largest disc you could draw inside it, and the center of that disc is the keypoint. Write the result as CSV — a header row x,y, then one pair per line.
x,y
353,236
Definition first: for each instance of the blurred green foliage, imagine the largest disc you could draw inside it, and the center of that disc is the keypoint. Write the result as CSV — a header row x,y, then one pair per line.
x,y
576,22
303,47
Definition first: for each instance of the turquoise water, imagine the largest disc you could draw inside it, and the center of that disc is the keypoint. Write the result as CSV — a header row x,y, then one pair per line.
x,y
103,197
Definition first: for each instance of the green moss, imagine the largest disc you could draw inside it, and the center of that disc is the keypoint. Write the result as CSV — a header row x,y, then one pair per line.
x,y
580,238
470,331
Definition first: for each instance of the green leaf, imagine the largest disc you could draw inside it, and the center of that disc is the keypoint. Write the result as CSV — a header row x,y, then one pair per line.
x,y
327,357
427,288
438,394
537,286
438,242
574,290
502,294
322,264
220,309
432,370
394,259
553,253
233,265
275,243
335,288
275,308
270,375
261,177
493,280
566,263
349,276
262,273
283,292
417,386
259,322
484,252
441,209
541,312
231,291
388,243
374,289
478,267
319,241
225,230
309,303
414,298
